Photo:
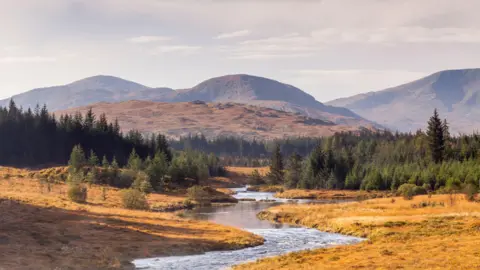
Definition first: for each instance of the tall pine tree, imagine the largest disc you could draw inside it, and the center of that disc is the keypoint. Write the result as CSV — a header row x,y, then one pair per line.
x,y
436,139
276,174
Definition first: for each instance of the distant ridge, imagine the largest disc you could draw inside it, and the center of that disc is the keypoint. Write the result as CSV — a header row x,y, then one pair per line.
x,y
455,93
239,88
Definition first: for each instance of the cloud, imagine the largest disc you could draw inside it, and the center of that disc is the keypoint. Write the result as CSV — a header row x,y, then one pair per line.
x,y
149,39
395,35
27,59
235,34
182,49
286,46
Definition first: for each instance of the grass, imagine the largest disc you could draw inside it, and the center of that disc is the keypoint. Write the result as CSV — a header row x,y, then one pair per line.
x,y
400,234
41,229
329,194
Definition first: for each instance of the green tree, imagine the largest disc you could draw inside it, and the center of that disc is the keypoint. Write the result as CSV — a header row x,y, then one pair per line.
x,y
105,163
436,140
134,162
93,159
255,178
157,170
77,158
294,171
276,174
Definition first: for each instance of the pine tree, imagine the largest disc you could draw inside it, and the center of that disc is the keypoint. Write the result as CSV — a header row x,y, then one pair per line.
x,y
436,140
105,163
93,159
134,161
294,171
276,174
77,158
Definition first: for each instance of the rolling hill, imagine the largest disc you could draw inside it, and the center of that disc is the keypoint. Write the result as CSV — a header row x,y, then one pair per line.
x,y
211,119
245,89
455,93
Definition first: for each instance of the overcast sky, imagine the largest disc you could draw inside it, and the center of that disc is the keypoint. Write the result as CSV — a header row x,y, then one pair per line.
x,y
329,48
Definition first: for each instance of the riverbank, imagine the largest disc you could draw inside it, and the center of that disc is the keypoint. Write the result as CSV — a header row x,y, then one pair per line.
x,y
41,229
437,232
325,194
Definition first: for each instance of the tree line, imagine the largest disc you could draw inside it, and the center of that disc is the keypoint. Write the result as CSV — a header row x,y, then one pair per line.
x,y
383,160
37,138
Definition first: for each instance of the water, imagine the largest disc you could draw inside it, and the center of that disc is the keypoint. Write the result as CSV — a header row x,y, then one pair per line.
x,y
279,238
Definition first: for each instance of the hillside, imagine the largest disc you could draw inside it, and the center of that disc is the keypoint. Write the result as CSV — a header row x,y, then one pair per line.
x,y
455,93
244,89
211,119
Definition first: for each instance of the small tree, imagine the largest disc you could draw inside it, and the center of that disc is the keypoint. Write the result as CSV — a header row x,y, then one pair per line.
x,y
198,194
77,158
105,163
142,183
294,171
134,199
255,179
93,159
157,170
134,161
407,191
276,174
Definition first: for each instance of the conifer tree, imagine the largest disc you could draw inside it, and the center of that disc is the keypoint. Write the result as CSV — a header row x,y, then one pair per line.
x,y
294,171
276,174
134,161
93,159
436,140
105,163
77,158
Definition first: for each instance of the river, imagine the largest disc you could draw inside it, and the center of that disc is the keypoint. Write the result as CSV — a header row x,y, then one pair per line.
x,y
279,238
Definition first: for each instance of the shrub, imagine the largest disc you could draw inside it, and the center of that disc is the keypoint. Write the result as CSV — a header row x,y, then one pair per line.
x,y
77,193
142,183
470,190
134,199
420,190
198,193
407,191
125,179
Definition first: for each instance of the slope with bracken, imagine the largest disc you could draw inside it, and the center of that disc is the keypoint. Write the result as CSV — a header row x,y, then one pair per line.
x,y
211,119
455,93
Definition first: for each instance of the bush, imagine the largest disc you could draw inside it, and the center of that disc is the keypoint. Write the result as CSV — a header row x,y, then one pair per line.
x,y
142,183
125,179
77,193
470,190
407,191
420,190
134,199
198,194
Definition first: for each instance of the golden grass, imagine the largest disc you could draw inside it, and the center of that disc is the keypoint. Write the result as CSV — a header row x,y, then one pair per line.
x,y
247,171
328,194
42,229
400,235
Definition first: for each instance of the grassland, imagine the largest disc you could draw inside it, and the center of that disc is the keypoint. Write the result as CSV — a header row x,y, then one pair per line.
x,y
329,194
41,229
437,232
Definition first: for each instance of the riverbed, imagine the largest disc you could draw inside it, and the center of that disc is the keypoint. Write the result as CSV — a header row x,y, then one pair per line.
x,y
279,238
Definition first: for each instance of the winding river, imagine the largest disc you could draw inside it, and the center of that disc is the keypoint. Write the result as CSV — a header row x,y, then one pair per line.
x,y
279,238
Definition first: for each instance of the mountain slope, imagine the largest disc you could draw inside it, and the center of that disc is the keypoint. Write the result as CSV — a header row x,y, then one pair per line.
x,y
211,119
87,91
240,88
455,93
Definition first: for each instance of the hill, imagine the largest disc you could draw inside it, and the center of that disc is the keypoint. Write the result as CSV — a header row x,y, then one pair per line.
x,y
455,93
241,88
211,119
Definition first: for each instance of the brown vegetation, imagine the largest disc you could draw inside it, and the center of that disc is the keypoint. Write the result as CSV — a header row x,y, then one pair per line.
x,y
211,120
329,194
41,228
436,232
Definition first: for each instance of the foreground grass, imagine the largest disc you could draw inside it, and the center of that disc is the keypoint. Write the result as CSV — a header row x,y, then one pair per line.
x,y
41,229
401,234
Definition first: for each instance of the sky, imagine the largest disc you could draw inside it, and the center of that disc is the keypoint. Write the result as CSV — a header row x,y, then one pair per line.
x,y
328,48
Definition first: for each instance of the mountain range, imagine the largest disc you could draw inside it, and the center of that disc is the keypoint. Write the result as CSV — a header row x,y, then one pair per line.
x,y
245,89
455,93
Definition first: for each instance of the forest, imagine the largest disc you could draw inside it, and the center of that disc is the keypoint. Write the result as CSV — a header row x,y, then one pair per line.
x,y
381,160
